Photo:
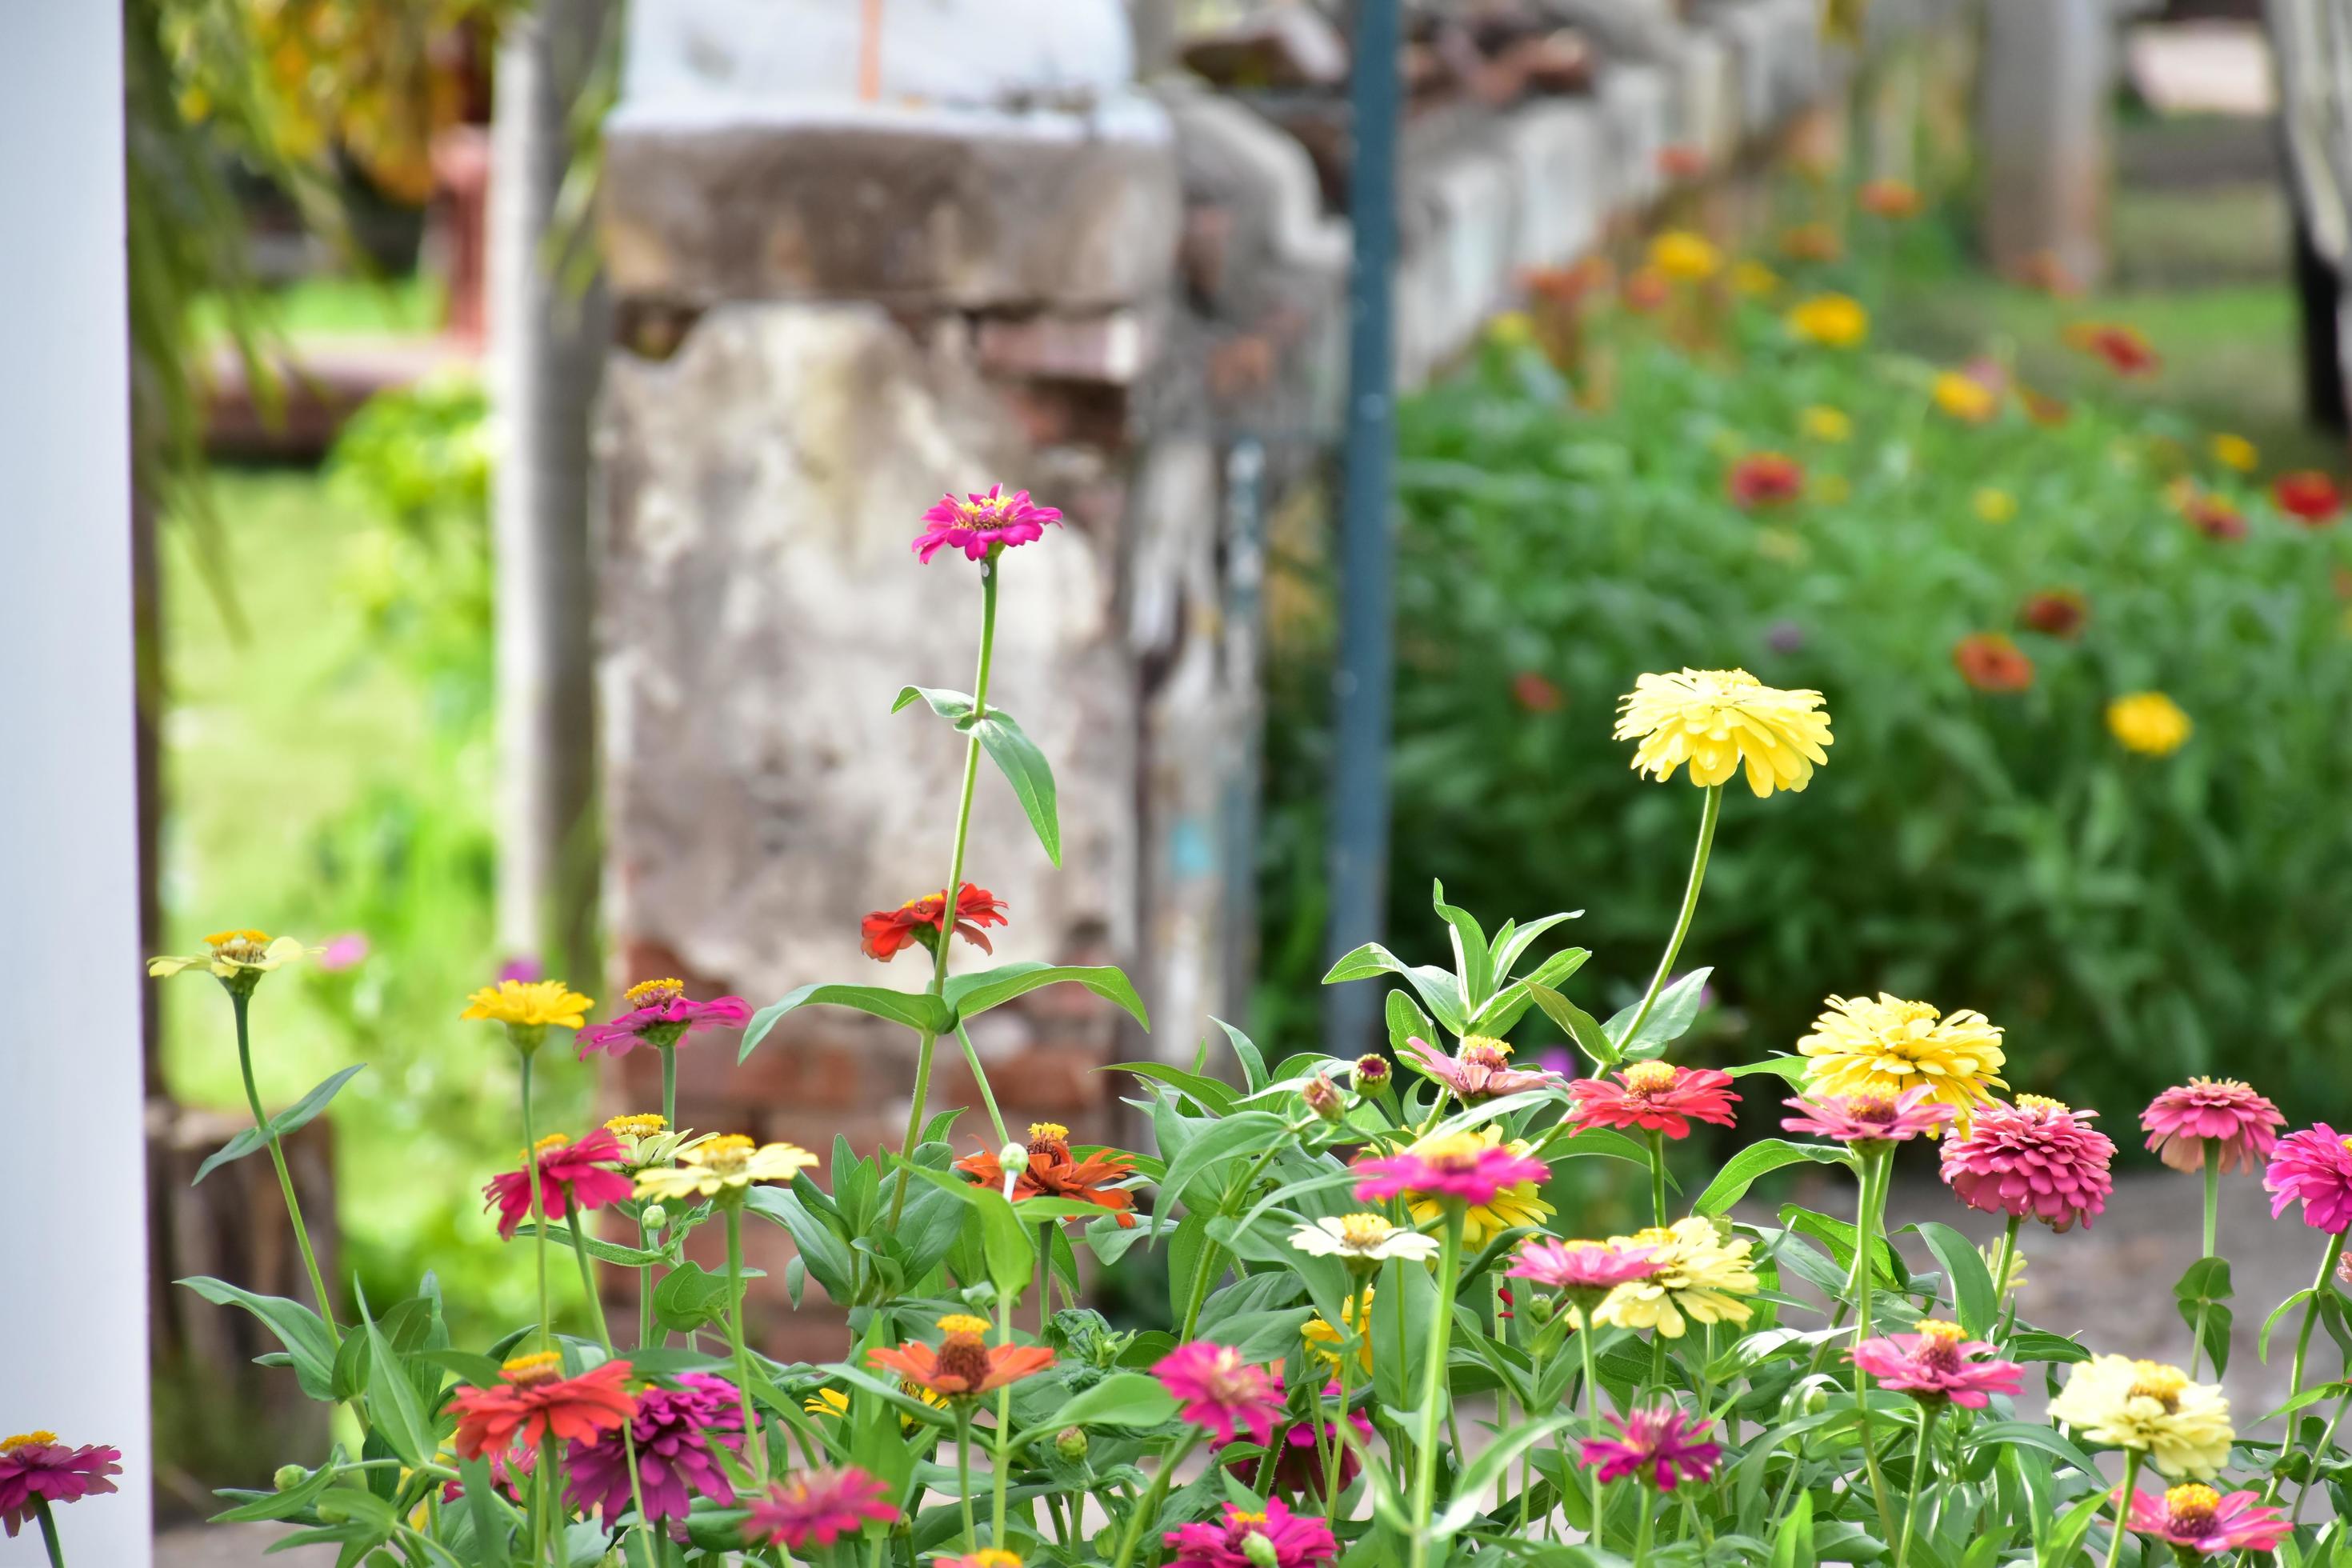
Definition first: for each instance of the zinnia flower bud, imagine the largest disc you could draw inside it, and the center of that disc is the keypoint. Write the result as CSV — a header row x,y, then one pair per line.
x,y
654,1216
1370,1073
1323,1097
1259,1548
1070,1442
288,1476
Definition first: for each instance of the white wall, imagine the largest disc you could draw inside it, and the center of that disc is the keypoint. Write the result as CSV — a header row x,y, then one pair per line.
x,y
73,1289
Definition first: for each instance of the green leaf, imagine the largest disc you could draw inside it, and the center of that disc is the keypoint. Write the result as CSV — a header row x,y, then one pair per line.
x,y
299,1114
2034,1435
918,1010
1122,1399
820,1246
1016,756
1766,1155
1668,1021
2057,1548
688,1298
953,706
1470,1487
1229,1139
392,1406
603,1251
1437,988
1577,1024
297,1327
1406,1021
2262,1343
1509,949
1473,962
969,996
1792,1540
1972,1288
2201,1292
1246,1052
1789,1070
1004,1243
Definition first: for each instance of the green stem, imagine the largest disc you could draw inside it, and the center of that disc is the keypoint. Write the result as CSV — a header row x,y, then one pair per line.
x,y
1658,1179
2326,1439
1927,1413
2123,1506
1874,1193
1592,1416
2212,1172
645,1287
1002,1460
1360,1305
1642,1526
669,1087
735,1333
238,1002
537,1210
587,1275
987,1095
1433,1382
988,570
50,1532
2319,1286
1707,816
1207,1267
2005,1262
963,1475
1147,1507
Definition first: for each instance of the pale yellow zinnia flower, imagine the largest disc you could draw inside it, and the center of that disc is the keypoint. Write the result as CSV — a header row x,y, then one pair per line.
x,y
1993,505
728,1163
1682,254
2182,1427
1362,1240
1323,1340
1720,721
2235,452
1823,423
1965,398
1519,1205
236,958
2149,722
1511,330
1884,1047
1700,1278
1832,321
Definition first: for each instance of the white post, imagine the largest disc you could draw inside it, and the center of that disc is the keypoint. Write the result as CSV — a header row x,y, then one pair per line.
x,y
73,1319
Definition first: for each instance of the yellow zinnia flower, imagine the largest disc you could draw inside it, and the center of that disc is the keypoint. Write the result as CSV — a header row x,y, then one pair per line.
x,y
1965,398
237,959
2182,1427
727,1164
1823,423
1680,254
1513,1205
529,1005
1832,321
2149,722
1323,1340
1885,1046
2235,452
1511,330
1993,505
1700,1278
1718,720
1753,278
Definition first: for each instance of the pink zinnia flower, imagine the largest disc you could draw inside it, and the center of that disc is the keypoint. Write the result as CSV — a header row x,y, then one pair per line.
x,y
1299,1540
1219,1391
1870,1118
1935,1364
35,1467
2315,1166
2035,1159
345,951
821,1504
1299,1470
1656,1096
1587,1270
1660,1445
979,523
1481,1070
674,1430
661,1014
2198,1517
570,1175
1458,1165
2178,1120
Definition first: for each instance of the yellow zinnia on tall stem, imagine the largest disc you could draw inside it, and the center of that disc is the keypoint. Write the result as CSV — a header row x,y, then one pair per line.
x,y
1884,1047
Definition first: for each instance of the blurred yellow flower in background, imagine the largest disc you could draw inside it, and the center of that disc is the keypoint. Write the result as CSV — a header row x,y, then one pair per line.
x,y
1966,398
1993,505
1753,278
1832,321
1685,257
2235,452
1823,423
2149,722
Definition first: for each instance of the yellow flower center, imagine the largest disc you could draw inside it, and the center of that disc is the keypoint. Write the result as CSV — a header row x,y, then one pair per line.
x,y
541,1367
993,1557
1871,1105
1486,1044
728,1152
1649,1078
2191,1506
1041,1130
1362,1232
2154,1380
243,937
1939,1330
963,1323
552,1141
2039,1102
646,1126
35,1439
647,992
1248,1519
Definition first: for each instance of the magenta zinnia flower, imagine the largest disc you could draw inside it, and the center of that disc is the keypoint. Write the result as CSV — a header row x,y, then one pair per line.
x,y
1216,1390
674,1430
1935,1364
821,1504
979,523
2179,1121
35,1467
1299,1470
1587,1270
1481,1070
2036,1159
1460,1165
2198,1517
570,1175
1297,1541
2315,1166
1656,1096
661,1014
1870,1118
1660,1445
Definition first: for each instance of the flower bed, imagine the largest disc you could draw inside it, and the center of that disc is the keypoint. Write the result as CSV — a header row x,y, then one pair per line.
x,y
1389,1346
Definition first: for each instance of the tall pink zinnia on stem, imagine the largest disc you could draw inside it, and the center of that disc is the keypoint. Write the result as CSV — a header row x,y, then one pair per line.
x,y
2313,1167
1659,1445
2179,1121
571,1176
1656,1096
1481,1070
2034,1160
2205,1522
820,1504
1276,1538
1459,1165
1221,1393
1869,1119
979,524
37,1470
661,1014
1583,1271
1938,1364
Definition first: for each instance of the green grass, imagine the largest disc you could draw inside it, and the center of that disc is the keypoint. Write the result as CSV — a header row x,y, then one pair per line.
x,y
342,306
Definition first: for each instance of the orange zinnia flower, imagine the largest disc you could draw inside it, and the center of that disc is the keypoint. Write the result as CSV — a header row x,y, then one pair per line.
x,y
1052,1174
2212,516
1990,662
2125,352
1764,478
886,933
1887,198
1645,289
1812,242
965,1365
536,1399
2058,612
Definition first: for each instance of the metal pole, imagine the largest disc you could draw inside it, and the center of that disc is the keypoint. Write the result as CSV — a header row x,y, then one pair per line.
x,y
1360,786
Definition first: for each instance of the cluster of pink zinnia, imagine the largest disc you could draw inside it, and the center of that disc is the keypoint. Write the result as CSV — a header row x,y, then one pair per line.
x,y
1938,1365
2034,1160
2313,1167
1658,1443
572,1177
1473,1176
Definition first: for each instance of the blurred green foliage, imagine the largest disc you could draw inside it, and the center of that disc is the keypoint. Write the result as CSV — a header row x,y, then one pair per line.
x,y
2129,920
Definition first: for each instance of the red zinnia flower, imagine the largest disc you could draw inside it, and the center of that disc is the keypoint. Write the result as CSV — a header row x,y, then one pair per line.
x,y
2125,352
2036,1159
1936,1363
534,1399
2055,612
34,1468
1764,478
1053,1172
821,1504
1990,662
965,1365
1656,1096
1534,693
886,933
2243,1124
979,525
2307,495
1660,1445
661,1014
1645,289
570,1175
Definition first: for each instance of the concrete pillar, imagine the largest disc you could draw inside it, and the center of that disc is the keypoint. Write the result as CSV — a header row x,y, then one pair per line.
x,y
2049,67
73,1321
